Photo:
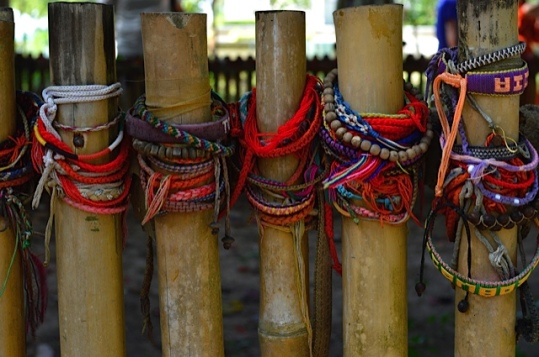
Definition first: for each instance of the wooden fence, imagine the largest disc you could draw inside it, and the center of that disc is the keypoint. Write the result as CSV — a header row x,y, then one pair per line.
x,y
228,77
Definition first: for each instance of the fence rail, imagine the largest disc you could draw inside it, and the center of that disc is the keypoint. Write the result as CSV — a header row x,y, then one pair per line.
x,y
228,77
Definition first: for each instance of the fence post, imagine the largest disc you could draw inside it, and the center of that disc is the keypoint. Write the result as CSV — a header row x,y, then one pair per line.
x,y
88,245
488,327
281,73
176,71
369,58
12,324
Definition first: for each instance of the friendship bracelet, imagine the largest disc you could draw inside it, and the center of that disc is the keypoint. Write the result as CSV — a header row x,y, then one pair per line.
x,y
501,153
143,125
467,283
177,135
480,287
500,82
186,170
354,212
168,152
496,56
62,149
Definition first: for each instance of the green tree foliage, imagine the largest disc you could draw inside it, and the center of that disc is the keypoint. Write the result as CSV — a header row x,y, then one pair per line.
x,y
281,4
420,12
35,8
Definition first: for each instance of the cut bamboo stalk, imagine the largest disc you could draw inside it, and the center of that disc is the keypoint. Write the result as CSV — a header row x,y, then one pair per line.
x,y
369,58
12,324
88,246
488,327
281,73
187,250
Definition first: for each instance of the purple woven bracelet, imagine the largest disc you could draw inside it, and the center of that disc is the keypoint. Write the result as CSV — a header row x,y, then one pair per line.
x,y
506,82
338,147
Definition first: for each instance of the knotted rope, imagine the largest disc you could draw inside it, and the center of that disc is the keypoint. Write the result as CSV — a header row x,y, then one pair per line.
x,y
100,188
290,206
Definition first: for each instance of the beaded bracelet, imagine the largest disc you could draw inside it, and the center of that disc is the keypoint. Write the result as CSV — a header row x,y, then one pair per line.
x,y
506,221
331,117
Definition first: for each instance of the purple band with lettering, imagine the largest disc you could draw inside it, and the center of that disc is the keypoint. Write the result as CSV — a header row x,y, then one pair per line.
x,y
506,82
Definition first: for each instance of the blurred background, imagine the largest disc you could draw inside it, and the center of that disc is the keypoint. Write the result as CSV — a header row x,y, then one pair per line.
x,y
231,39
231,24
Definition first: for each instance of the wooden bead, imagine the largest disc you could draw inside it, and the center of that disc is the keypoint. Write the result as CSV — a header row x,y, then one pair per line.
x,y
330,117
417,150
329,107
424,147
384,154
356,141
474,217
516,217
336,124
161,152
185,153
503,219
528,212
347,137
375,150
328,98
393,156
410,153
488,220
340,132
329,91
430,133
402,156
365,145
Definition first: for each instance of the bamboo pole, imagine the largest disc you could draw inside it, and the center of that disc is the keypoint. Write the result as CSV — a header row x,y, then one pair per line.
x,y
89,246
369,58
488,327
12,324
281,73
187,250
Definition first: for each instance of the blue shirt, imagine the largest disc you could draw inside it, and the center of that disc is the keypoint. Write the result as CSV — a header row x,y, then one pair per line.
x,y
446,11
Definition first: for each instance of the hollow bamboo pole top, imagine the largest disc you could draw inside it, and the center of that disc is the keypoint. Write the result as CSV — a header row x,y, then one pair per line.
x,y
488,327
82,52
369,77
176,66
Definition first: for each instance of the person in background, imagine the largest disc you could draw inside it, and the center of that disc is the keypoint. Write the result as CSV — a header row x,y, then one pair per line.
x,y
446,24
528,31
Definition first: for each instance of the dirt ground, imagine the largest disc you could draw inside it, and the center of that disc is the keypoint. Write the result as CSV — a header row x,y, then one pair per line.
x,y
430,317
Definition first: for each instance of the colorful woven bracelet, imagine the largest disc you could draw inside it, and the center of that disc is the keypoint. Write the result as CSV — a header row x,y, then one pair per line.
x,y
504,82
480,287
474,286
